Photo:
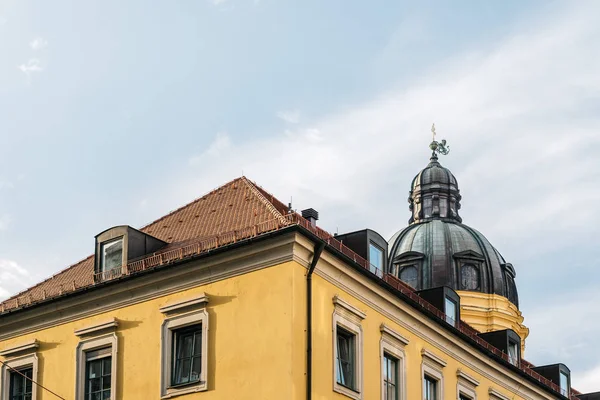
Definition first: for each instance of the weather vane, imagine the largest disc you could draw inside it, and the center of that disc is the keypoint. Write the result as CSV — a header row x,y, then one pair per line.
x,y
438,147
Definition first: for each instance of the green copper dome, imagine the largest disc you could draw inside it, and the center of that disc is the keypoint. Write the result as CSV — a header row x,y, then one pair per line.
x,y
437,249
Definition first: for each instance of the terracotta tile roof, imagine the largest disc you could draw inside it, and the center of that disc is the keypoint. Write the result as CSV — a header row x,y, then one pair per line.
x,y
235,205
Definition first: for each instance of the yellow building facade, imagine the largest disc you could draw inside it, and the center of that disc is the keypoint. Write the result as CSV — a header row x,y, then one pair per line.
x,y
272,309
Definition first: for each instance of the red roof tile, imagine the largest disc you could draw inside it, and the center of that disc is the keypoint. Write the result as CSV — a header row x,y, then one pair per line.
x,y
233,206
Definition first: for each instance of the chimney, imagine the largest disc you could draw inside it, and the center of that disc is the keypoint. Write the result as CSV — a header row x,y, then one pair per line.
x,y
311,215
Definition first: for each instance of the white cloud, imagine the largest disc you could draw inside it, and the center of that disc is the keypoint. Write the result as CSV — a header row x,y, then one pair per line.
x,y
219,145
6,185
291,116
13,278
589,381
31,67
566,328
38,43
5,221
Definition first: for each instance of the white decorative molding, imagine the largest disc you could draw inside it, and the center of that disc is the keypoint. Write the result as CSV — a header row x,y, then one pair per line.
x,y
169,325
338,302
392,333
462,375
30,360
493,392
29,347
389,345
101,326
195,302
106,341
354,327
431,356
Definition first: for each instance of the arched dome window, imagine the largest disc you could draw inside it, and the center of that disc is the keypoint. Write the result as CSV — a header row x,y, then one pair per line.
x,y
410,276
469,277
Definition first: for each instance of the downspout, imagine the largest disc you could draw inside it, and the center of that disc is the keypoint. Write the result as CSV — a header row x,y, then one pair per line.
x,y
316,255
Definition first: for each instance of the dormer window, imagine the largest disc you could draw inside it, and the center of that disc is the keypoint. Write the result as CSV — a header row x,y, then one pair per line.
x,y
450,311
112,254
375,259
564,384
513,353
118,246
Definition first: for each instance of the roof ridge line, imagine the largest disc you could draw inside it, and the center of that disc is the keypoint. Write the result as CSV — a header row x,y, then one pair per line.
x,y
264,200
190,203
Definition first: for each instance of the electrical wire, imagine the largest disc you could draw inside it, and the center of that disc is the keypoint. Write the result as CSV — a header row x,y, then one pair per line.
x,y
28,378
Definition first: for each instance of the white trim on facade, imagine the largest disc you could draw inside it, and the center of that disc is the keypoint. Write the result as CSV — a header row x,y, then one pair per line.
x,y
169,325
29,346
465,385
339,303
29,360
393,344
180,305
496,395
431,366
95,343
349,321
96,328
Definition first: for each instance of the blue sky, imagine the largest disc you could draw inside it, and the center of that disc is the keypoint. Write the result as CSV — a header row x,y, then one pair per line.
x,y
116,112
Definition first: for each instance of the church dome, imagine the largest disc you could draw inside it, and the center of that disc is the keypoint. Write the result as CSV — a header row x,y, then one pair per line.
x,y
437,249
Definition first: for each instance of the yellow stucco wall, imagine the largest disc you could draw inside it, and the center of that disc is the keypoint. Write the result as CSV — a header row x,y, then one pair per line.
x,y
323,360
257,343
256,330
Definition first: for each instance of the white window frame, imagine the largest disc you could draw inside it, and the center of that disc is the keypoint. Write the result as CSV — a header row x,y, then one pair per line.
x,y
432,366
109,243
169,326
95,343
348,318
393,344
466,385
24,361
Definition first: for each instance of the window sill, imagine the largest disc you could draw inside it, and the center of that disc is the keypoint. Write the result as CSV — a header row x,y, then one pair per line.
x,y
346,391
180,390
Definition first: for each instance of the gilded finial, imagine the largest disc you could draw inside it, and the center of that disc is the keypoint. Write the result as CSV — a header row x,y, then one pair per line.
x,y
438,147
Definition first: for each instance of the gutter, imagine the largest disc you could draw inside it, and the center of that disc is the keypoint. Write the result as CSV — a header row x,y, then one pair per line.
x,y
316,256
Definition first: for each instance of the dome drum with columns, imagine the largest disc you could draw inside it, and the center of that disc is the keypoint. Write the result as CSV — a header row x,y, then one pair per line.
x,y
437,249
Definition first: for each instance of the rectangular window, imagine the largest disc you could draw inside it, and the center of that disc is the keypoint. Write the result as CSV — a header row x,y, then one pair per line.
x,y
187,355
98,370
450,307
564,384
464,397
513,353
429,388
376,259
346,358
21,386
390,377
112,254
